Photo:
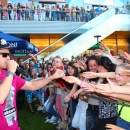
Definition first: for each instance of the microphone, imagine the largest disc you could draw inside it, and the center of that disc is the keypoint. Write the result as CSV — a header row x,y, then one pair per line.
x,y
20,70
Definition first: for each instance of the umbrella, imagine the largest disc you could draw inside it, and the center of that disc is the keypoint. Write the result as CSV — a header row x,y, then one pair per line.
x,y
21,46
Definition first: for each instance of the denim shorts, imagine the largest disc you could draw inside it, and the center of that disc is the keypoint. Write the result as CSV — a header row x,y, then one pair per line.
x,y
35,94
123,124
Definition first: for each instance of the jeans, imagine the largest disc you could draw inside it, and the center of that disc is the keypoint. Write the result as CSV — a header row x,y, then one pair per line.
x,y
45,97
91,118
123,124
49,107
88,17
9,12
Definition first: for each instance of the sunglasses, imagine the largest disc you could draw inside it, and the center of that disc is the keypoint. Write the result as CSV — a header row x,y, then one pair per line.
x,y
4,54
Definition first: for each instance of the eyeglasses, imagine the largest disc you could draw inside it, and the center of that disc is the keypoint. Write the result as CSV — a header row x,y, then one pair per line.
x,y
4,54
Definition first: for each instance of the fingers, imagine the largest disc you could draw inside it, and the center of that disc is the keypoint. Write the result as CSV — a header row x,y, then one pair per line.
x,y
126,56
12,65
74,96
109,126
109,81
88,87
126,72
66,100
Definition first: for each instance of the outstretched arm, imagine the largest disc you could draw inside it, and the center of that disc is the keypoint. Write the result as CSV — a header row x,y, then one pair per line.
x,y
91,75
41,83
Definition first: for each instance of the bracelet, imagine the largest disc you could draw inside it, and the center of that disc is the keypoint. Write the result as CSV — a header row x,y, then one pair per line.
x,y
81,83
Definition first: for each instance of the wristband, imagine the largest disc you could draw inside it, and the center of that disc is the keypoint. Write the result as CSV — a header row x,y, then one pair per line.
x,y
81,83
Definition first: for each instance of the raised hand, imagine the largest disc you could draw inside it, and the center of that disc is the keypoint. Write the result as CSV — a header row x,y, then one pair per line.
x,y
80,62
98,52
121,53
103,46
76,65
126,56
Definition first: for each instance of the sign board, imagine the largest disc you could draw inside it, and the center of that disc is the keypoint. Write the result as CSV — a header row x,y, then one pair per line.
x,y
19,54
12,44
96,46
22,51
100,2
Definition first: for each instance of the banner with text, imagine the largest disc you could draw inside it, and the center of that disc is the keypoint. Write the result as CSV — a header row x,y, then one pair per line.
x,y
100,2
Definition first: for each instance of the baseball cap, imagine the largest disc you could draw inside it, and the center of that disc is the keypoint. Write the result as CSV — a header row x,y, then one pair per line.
x,y
3,45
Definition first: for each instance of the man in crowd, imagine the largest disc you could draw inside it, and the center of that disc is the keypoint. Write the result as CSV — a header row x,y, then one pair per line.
x,y
20,93
10,84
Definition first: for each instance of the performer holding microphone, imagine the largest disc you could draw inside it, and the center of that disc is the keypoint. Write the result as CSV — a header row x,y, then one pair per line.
x,y
9,86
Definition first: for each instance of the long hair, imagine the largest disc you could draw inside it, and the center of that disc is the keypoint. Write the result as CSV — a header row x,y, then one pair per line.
x,y
106,63
93,57
71,64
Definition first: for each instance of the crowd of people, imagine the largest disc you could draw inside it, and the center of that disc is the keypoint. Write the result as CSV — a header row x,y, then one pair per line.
x,y
93,93
45,12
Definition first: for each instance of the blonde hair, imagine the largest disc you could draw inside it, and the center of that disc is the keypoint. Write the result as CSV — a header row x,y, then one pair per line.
x,y
125,66
58,57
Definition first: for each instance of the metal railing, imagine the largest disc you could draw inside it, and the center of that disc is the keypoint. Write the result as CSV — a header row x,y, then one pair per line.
x,y
53,15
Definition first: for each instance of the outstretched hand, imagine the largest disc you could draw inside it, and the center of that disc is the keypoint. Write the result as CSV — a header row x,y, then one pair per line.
x,y
89,75
124,55
88,87
103,46
58,74
70,79
106,88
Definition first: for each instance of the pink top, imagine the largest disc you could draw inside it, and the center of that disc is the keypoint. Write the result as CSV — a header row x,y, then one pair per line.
x,y
8,110
38,11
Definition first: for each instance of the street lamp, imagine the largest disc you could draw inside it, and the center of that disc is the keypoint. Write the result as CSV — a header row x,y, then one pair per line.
x,y
97,36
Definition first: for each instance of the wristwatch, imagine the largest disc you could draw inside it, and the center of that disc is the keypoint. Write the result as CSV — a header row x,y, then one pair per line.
x,y
9,73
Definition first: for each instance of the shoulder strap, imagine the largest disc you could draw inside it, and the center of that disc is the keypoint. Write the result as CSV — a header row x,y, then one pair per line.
x,y
121,109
